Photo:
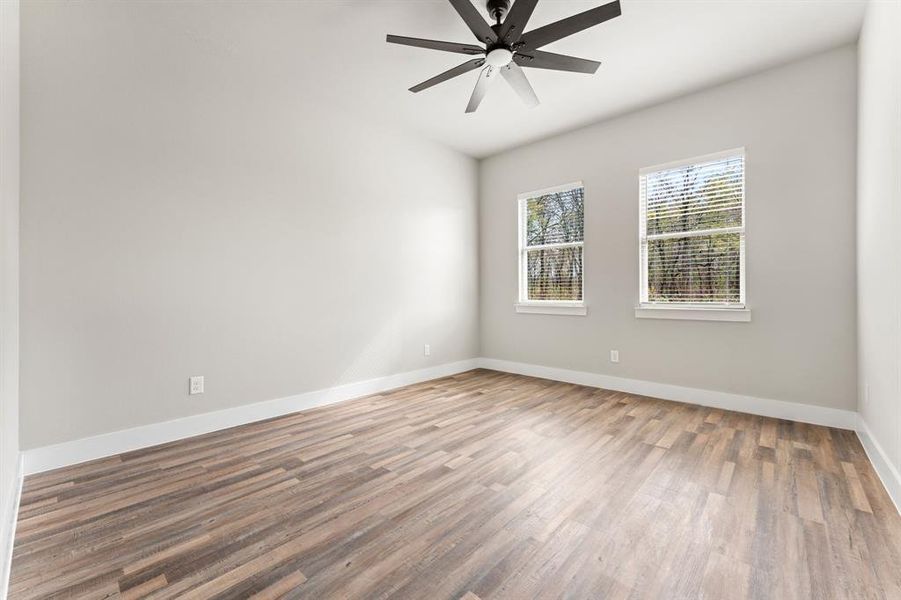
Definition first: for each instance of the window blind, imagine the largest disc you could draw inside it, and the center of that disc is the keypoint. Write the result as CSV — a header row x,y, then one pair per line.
x,y
551,240
692,231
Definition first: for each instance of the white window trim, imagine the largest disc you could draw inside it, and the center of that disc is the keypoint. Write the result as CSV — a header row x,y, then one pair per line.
x,y
545,307
538,307
737,312
689,313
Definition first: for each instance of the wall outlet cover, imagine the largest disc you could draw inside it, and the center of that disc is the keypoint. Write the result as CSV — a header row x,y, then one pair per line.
x,y
196,385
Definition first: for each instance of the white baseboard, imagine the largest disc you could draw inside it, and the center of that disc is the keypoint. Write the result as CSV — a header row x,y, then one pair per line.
x,y
792,411
891,478
9,532
69,453
108,444
77,451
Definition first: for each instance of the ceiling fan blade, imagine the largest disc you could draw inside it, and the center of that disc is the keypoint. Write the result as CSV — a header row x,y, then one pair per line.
x,y
449,74
435,45
538,59
520,84
517,19
474,21
486,78
566,27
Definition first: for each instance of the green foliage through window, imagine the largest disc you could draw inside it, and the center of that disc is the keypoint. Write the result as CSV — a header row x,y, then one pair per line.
x,y
552,251
693,233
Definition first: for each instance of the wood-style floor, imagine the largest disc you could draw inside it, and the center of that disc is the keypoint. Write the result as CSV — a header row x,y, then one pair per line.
x,y
483,485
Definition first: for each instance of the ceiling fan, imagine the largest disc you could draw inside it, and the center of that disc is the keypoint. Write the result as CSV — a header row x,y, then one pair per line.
x,y
508,46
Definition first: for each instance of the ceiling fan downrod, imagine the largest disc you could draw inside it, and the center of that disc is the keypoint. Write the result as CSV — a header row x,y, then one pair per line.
x,y
497,9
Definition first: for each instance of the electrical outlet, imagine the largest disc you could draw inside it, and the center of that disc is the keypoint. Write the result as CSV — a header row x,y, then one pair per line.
x,y
196,385
427,350
614,356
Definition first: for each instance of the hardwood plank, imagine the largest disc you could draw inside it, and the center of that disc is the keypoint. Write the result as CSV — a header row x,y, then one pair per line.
x,y
858,496
281,587
143,589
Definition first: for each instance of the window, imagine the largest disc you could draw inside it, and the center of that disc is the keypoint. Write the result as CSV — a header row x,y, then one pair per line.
x,y
551,226
692,238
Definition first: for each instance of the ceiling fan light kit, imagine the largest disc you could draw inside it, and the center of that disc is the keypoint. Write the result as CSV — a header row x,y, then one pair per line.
x,y
508,47
499,57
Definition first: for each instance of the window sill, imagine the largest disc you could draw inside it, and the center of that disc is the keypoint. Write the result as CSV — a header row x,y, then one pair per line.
x,y
552,308
691,313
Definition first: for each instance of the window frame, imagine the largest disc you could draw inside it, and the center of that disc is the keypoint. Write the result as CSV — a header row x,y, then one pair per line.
x,y
707,311
554,307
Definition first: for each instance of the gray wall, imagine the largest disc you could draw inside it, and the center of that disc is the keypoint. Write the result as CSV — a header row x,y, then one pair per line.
x,y
798,124
190,208
879,220
9,269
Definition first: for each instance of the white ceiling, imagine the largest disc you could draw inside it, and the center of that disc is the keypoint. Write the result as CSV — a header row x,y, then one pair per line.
x,y
656,50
